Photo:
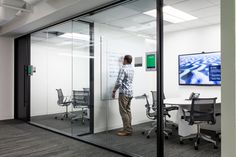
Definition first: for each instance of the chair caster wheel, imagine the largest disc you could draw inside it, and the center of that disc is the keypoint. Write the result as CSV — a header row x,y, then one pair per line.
x,y
148,136
196,147
215,147
62,119
181,142
143,132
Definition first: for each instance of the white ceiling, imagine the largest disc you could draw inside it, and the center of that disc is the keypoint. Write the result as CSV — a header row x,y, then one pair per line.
x,y
207,12
10,9
131,15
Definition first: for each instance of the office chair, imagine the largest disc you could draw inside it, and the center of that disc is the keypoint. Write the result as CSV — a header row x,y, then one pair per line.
x,y
166,110
63,102
152,114
81,100
202,111
218,132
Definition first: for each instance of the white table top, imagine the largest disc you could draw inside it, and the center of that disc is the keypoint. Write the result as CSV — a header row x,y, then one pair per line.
x,y
182,101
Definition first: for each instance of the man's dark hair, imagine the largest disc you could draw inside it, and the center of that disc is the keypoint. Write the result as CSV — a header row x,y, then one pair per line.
x,y
128,58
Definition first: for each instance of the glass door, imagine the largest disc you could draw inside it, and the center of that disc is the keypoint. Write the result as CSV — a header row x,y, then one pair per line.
x,y
127,29
60,87
82,78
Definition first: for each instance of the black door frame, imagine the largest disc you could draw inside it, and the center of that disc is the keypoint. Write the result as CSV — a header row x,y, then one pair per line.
x,y
159,71
22,95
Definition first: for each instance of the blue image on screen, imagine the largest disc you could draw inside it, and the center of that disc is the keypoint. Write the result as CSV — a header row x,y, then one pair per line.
x,y
200,69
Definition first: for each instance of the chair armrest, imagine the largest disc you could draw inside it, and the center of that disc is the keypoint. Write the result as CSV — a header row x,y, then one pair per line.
x,y
171,108
184,113
67,99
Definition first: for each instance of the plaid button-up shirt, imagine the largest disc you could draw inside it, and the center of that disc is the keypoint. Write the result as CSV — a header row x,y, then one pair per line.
x,y
125,80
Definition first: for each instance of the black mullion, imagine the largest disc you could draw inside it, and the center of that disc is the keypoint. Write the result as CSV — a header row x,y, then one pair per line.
x,y
159,64
91,74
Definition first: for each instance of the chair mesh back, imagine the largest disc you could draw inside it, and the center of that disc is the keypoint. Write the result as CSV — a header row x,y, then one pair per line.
x,y
203,109
80,98
60,96
154,98
86,89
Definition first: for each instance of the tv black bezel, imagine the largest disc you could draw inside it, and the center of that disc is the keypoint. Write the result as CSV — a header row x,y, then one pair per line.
x,y
195,84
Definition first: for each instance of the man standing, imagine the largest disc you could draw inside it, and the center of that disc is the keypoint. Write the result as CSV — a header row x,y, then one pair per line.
x,y
125,85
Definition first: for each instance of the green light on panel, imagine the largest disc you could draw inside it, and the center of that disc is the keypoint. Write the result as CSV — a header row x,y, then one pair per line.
x,y
151,61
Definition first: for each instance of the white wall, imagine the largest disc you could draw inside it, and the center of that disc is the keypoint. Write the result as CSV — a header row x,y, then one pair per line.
x,y
205,39
6,78
53,71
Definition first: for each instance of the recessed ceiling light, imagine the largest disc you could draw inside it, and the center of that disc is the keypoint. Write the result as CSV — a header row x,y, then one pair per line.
x,y
75,36
172,15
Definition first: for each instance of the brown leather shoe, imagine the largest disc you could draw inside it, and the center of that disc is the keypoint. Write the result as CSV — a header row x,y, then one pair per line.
x,y
120,130
124,133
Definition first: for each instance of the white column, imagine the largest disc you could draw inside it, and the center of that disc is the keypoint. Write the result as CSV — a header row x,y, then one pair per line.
x,y
228,109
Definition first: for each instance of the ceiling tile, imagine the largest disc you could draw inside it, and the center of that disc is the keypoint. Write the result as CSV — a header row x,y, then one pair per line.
x,y
132,20
123,23
113,14
171,2
142,6
185,25
192,5
206,12
214,1
211,20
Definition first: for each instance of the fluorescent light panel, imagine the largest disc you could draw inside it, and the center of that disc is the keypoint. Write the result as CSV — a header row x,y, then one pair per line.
x,y
75,36
172,15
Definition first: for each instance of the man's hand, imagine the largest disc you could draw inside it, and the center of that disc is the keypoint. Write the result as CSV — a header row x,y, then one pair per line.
x,y
113,94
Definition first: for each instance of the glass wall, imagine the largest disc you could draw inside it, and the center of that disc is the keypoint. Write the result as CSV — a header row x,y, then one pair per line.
x,y
77,64
60,87
81,58
191,47
128,29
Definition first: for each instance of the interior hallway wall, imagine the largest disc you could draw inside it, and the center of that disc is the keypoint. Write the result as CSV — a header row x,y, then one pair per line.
x,y
6,78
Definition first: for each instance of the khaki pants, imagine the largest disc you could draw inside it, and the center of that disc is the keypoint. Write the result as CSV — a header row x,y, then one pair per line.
x,y
124,106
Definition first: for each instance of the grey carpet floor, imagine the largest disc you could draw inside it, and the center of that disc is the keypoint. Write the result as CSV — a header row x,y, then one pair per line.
x,y
139,144
19,139
75,128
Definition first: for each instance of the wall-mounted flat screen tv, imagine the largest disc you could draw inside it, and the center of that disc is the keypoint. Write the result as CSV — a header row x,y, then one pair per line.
x,y
200,69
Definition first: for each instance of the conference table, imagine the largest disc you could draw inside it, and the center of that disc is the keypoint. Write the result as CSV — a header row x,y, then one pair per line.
x,y
184,129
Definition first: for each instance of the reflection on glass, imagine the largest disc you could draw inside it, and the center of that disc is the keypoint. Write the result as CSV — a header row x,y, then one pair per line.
x,y
65,56
60,89
195,125
119,31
